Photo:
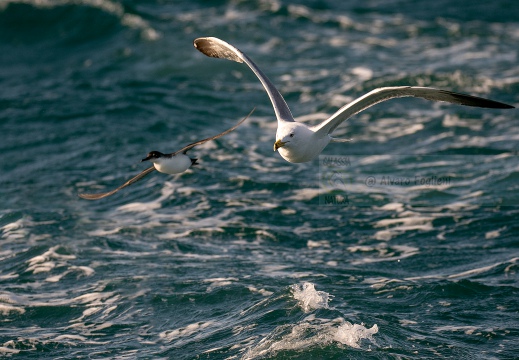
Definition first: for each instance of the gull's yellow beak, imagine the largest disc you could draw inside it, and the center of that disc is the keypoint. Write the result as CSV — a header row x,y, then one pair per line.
x,y
279,144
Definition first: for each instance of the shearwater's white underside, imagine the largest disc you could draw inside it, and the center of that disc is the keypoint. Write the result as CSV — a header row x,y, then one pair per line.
x,y
172,165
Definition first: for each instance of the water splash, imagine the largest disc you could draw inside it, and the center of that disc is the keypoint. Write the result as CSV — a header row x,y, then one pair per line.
x,y
351,334
311,333
310,299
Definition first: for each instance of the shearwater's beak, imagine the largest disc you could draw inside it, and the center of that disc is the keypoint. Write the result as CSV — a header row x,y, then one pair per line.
x,y
279,144
153,155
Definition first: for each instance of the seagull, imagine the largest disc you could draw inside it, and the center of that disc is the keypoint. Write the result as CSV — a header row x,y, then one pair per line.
x,y
297,142
174,163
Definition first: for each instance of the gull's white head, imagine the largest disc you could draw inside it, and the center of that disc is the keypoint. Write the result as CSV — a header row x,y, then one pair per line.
x,y
298,143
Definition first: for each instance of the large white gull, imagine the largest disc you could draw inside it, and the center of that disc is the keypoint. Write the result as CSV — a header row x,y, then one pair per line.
x,y
297,142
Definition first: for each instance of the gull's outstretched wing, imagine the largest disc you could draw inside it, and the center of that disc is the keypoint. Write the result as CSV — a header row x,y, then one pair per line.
x,y
129,182
214,47
382,94
192,145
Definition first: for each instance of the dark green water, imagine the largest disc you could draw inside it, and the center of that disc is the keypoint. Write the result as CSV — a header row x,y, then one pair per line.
x,y
402,244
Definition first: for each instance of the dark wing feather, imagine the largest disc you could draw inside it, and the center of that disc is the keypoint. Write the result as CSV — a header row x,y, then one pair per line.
x,y
129,182
192,145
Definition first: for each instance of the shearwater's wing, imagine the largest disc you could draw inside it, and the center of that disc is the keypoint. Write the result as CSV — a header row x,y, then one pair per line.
x,y
214,47
192,145
129,182
382,94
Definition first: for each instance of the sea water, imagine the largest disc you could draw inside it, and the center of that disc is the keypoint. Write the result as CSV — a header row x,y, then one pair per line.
x,y
399,244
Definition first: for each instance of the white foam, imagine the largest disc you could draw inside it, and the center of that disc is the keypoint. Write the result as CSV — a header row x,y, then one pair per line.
x,y
351,334
318,244
450,120
469,273
260,291
493,234
480,270
6,309
6,350
469,330
362,72
407,222
48,261
396,207
309,333
406,322
310,299
66,337
85,270
305,194
219,282
383,252
186,331
143,207
96,298
15,230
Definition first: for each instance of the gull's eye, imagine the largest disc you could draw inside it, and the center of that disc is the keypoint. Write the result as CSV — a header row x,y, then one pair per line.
x,y
292,135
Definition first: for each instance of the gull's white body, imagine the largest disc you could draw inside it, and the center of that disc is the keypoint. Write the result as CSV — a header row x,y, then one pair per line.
x,y
296,148
297,142
172,165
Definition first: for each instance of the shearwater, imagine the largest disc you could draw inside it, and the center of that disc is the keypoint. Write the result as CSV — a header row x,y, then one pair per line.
x,y
173,163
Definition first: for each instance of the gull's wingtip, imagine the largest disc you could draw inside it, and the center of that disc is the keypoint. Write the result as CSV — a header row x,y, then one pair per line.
x,y
217,48
198,41
476,101
208,40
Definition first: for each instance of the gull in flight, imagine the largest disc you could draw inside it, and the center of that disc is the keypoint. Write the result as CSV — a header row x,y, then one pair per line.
x,y
297,142
174,163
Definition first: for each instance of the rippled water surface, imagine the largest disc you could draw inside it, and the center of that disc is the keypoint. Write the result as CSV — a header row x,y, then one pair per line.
x,y
399,244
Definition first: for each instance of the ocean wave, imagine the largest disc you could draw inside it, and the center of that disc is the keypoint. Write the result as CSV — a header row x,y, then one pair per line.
x,y
311,333
70,21
239,257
